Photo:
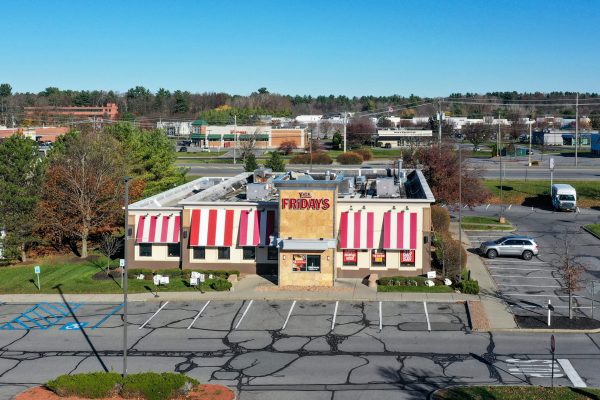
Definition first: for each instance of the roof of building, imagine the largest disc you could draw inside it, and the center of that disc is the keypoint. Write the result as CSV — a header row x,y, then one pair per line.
x,y
199,122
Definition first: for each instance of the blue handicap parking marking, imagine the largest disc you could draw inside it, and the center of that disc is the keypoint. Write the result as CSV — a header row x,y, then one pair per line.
x,y
41,316
107,316
73,326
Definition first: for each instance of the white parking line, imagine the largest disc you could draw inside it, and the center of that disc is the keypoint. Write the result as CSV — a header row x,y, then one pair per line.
x,y
288,315
523,277
197,315
520,269
334,314
537,295
545,306
536,286
244,314
380,318
571,373
153,315
427,316
504,261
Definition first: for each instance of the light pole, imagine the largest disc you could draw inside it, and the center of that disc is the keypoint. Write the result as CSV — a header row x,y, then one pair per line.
x,y
460,206
530,123
126,252
235,137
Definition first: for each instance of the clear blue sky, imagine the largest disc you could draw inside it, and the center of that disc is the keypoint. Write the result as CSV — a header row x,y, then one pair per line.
x,y
425,47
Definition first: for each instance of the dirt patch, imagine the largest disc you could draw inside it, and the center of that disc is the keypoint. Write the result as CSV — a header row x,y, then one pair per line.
x,y
479,319
269,288
200,392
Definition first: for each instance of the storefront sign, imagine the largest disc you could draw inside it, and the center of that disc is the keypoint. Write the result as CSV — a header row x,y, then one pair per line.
x,y
350,257
378,257
304,263
305,202
407,256
298,262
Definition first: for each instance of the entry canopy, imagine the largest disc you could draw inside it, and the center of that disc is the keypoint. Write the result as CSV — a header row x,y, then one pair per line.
x,y
307,244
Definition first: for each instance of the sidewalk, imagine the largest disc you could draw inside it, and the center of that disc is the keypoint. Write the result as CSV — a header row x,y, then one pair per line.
x,y
498,312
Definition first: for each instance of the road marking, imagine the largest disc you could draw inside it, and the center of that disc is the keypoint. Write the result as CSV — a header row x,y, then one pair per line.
x,y
380,318
523,277
545,306
538,295
117,308
497,261
244,314
571,373
427,316
520,269
153,315
288,315
534,368
537,286
197,315
334,315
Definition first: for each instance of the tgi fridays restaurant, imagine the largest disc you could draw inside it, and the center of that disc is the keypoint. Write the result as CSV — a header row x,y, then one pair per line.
x,y
308,228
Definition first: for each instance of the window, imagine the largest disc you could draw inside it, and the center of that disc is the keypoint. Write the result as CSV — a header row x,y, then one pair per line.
x,y
249,253
378,258
512,243
173,250
145,249
350,258
199,253
272,253
223,253
304,263
407,258
313,263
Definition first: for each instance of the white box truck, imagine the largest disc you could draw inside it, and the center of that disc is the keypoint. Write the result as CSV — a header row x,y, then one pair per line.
x,y
564,197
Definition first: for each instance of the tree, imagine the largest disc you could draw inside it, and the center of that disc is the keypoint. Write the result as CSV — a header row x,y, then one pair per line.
x,y
360,131
21,175
337,140
109,246
287,147
476,133
5,90
263,90
569,271
595,119
181,102
81,194
275,162
250,163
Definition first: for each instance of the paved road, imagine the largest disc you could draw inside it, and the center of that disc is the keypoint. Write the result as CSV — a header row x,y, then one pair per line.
x,y
528,285
245,345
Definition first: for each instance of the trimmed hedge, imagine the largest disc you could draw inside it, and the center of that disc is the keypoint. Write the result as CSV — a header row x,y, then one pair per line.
x,y
349,158
220,285
319,157
148,385
402,281
469,287
177,273
366,154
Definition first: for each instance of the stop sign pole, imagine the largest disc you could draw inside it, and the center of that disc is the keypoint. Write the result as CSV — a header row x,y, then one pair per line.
x,y
552,350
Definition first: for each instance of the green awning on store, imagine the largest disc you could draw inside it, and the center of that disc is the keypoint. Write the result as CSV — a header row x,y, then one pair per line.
x,y
262,137
214,137
197,136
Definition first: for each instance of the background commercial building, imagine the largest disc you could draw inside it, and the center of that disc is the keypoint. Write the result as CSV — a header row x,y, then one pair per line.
x,y
394,138
307,228
51,113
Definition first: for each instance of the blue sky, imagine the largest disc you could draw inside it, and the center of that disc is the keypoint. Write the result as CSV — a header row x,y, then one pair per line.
x,y
425,47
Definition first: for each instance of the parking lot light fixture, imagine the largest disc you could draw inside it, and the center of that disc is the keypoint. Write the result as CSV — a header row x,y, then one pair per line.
x,y
125,285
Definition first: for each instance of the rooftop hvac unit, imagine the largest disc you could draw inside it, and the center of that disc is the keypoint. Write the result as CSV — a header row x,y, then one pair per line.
x,y
257,191
347,186
386,187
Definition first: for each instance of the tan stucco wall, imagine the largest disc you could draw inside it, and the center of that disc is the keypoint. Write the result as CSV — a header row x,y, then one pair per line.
x,y
288,277
307,223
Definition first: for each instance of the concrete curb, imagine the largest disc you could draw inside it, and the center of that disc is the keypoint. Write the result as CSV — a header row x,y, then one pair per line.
x,y
590,232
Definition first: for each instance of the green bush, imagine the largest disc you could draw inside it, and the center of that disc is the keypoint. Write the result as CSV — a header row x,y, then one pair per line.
x,y
300,159
402,281
153,386
349,158
366,154
469,287
93,385
220,285
321,158
218,273
440,219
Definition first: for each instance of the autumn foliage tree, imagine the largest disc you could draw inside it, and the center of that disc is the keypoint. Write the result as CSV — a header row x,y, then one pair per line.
x,y
81,194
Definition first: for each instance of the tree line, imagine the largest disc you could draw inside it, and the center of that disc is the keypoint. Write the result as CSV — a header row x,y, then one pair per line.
x,y
75,194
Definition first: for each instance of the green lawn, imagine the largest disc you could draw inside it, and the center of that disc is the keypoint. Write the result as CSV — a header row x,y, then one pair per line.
x,y
73,277
516,393
537,192
479,154
200,154
594,228
485,224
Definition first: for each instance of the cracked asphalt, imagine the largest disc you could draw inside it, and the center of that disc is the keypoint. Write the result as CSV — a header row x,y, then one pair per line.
x,y
306,360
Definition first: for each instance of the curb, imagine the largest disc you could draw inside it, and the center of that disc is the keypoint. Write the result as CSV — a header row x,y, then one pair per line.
x,y
590,232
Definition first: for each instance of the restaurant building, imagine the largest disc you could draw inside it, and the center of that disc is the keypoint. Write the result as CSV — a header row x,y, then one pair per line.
x,y
308,228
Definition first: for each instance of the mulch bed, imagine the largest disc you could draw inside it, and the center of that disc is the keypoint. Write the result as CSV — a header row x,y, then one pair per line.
x,y
200,392
557,322
479,319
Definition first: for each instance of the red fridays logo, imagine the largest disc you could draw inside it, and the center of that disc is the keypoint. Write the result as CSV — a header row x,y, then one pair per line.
x,y
305,202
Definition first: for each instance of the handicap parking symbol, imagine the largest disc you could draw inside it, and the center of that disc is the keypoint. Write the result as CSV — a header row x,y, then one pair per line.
x,y
74,326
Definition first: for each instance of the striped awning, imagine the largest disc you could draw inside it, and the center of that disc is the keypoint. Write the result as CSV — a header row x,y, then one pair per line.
x,y
211,228
158,229
356,230
400,230
256,227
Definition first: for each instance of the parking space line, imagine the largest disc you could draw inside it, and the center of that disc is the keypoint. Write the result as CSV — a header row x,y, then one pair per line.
x,y
571,373
288,315
334,314
537,295
496,261
537,286
199,312
244,314
523,277
117,308
427,316
380,318
545,306
520,269
153,315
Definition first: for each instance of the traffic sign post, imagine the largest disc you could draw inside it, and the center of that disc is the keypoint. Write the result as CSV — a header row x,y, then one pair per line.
x,y
551,173
122,265
552,350
37,270
550,309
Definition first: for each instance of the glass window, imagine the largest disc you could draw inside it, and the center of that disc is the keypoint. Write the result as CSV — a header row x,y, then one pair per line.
x,y
199,253
223,253
350,258
173,250
145,249
407,258
313,263
272,253
249,253
378,258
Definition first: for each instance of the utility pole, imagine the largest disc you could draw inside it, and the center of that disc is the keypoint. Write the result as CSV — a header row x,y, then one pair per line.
x,y
235,137
460,205
440,123
125,286
530,123
345,122
501,187
576,126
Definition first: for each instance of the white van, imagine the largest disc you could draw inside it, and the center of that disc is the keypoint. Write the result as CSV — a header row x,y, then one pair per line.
x,y
564,197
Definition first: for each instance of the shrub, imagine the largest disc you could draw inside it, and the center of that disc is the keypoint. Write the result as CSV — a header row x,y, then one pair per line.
x,y
321,158
469,287
287,147
448,252
402,281
349,158
300,159
153,386
366,154
220,285
93,385
132,273
535,162
440,219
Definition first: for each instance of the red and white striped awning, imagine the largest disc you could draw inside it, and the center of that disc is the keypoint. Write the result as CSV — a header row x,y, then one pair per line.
x,y
356,230
400,230
158,229
211,228
256,227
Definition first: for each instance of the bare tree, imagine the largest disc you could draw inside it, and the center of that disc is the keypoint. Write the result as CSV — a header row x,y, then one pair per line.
x,y
109,246
476,133
569,271
247,143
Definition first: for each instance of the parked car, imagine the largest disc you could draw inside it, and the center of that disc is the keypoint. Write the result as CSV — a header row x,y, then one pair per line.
x,y
519,246
183,149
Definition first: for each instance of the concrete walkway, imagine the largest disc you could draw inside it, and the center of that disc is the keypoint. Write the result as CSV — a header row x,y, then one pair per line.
x,y
498,312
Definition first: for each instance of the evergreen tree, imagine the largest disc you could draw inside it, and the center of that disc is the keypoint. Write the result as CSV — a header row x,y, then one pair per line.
x,y
276,163
250,163
336,141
